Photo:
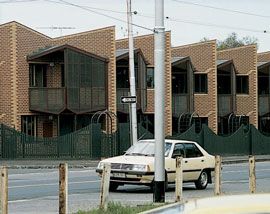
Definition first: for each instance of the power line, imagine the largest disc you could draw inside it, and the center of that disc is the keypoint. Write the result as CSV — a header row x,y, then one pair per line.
x,y
222,9
17,1
206,24
99,13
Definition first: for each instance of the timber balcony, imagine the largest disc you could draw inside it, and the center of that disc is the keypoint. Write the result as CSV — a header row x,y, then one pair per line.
x,y
180,104
225,104
77,100
264,104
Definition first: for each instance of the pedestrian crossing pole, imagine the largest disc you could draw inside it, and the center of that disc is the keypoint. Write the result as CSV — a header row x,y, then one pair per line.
x,y
159,57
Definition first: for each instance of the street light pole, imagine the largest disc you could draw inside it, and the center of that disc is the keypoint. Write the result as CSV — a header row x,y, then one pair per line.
x,y
159,182
132,75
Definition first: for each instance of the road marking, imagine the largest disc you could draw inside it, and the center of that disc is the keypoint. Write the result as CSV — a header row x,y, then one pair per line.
x,y
51,172
233,171
52,184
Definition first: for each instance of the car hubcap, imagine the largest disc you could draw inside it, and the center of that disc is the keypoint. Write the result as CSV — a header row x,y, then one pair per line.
x,y
203,178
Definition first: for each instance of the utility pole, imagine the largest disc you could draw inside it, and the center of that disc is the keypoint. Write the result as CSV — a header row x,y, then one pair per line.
x,y
132,75
159,182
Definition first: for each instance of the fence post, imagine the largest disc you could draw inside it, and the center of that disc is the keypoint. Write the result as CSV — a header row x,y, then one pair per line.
x,y
105,184
63,188
252,175
4,190
217,190
178,179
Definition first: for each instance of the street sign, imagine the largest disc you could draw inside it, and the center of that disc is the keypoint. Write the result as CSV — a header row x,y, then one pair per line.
x,y
128,99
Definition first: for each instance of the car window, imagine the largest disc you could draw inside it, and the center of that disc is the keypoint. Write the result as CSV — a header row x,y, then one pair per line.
x,y
178,150
192,150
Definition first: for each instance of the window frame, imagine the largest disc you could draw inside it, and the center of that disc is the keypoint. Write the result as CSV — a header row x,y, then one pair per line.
x,y
200,91
241,87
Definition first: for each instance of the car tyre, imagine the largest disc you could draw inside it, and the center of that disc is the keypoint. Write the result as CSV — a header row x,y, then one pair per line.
x,y
202,181
113,186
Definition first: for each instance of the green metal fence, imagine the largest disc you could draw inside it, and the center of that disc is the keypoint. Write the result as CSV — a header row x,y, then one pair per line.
x,y
93,143
246,140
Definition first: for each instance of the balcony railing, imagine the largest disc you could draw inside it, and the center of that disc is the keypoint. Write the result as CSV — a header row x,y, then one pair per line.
x,y
51,100
86,99
141,99
264,102
224,104
78,100
180,104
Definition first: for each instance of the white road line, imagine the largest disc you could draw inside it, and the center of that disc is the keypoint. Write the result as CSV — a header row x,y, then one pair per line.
x,y
52,184
51,172
237,171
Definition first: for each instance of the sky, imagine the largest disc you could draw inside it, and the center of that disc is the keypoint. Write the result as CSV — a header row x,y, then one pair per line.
x,y
189,20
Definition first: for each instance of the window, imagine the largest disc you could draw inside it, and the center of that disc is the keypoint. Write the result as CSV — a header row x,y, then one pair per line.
x,y
192,151
29,125
200,83
150,77
178,150
38,76
224,82
179,83
242,84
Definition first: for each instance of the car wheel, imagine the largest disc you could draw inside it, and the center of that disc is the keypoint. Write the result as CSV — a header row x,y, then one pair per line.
x,y
113,186
202,182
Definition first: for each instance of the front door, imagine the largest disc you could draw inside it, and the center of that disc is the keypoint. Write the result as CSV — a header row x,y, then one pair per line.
x,y
66,124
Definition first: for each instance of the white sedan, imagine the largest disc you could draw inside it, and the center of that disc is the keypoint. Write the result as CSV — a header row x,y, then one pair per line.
x,y
136,166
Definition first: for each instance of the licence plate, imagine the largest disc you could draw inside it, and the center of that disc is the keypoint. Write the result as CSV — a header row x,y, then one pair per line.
x,y
118,175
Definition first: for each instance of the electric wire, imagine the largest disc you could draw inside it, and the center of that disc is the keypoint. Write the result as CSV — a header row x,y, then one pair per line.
x,y
222,9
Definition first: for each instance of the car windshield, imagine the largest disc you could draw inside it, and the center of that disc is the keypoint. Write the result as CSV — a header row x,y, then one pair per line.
x,y
146,148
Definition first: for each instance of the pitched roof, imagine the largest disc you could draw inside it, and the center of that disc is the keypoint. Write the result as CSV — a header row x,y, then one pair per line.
x,y
47,50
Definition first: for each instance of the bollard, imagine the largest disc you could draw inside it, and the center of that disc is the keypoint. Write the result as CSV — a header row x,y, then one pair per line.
x,y
217,190
105,183
63,188
4,190
178,179
252,175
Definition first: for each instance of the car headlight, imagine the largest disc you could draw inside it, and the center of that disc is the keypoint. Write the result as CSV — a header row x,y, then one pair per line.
x,y
139,167
100,165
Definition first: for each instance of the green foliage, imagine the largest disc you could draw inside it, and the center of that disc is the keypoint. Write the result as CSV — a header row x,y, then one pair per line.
x,y
117,208
232,41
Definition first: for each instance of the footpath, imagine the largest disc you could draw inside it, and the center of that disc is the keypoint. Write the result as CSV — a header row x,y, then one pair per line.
x,y
50,164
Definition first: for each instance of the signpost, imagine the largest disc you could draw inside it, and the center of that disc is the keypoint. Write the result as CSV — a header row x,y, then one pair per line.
x,y
128,99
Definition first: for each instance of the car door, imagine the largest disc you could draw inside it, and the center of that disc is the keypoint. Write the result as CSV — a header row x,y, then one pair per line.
x,y
194,162
178,151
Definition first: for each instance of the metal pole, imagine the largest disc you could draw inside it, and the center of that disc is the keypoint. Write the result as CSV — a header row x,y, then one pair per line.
x,y
159,182
132,74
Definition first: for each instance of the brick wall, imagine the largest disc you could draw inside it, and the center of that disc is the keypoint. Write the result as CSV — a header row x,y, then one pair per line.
x,y
146,44
17,41
203,57
245,61
5,75
264,56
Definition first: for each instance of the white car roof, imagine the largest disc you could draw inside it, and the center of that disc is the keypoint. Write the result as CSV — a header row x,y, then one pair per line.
x,y
168,141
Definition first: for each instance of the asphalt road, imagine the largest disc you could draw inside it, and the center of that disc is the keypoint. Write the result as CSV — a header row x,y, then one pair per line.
x,y
36,190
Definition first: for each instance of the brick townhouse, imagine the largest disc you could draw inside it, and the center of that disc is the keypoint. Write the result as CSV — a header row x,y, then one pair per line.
x,y
51,87
263,66
145,44
200,93
246,85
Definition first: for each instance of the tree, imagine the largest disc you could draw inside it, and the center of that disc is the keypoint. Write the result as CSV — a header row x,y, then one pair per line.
x,y
233,41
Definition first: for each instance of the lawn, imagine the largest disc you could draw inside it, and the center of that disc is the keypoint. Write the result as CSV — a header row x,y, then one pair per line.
x,y
117,208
